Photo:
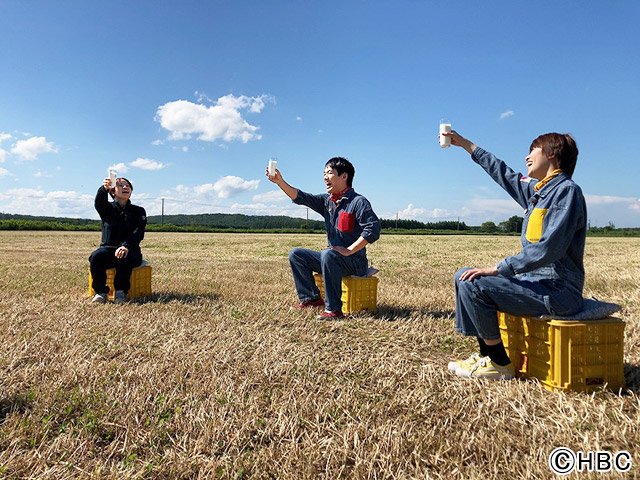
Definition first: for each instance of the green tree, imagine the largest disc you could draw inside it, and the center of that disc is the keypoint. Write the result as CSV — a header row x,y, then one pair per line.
x,y
513,224
488,227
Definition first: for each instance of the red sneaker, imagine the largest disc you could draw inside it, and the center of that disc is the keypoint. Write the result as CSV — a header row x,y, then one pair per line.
x,y
311,304
330,315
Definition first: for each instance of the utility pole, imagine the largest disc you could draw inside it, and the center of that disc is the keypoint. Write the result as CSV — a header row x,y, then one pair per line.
x,y
397,214
162,216
458,225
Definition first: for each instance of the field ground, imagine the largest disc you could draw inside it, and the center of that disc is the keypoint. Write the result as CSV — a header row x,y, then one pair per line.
x,y
214,376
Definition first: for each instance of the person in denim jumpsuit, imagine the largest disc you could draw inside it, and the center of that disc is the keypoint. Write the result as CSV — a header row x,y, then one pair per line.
x,y
547,276
351,224
123,227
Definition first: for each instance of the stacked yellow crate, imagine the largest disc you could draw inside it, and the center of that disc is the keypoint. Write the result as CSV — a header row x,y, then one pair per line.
x,y
140,282
581,356
358,293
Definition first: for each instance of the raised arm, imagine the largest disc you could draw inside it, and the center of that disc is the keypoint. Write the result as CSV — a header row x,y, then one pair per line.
x,y
101,201
290,191
314,202
518,187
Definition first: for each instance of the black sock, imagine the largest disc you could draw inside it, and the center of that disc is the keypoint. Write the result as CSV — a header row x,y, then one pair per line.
x,y
483,347
498,354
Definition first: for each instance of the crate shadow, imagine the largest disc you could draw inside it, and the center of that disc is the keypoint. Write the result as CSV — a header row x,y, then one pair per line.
x,y
392,313
632,377
17,403
172,297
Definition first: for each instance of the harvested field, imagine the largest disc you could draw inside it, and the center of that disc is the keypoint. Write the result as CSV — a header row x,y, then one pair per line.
x,y
215,377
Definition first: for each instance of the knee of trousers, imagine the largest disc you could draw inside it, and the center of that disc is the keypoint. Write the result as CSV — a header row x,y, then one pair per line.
x,y
328,255
100,255
464,289
456,277
294,254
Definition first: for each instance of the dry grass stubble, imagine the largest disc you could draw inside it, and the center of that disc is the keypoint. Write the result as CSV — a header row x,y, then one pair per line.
x,y
215,377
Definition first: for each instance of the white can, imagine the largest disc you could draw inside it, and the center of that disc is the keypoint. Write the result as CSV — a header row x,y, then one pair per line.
x,y
445,127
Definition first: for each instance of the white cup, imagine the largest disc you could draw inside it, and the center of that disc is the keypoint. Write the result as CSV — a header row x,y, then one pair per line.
x,y
445,127
272,167
113,175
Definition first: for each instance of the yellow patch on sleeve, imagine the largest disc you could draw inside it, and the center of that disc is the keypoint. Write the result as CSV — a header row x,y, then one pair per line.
x,y
534,227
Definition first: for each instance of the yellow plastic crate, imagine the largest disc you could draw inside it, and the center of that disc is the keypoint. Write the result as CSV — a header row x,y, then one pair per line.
x,y
140,282
358,293
566,355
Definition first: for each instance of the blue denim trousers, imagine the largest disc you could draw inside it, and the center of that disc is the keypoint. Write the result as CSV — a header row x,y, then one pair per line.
x,y
478,301
333,267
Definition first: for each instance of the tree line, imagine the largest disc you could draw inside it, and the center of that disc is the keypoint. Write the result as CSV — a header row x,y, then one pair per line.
x,y
222,222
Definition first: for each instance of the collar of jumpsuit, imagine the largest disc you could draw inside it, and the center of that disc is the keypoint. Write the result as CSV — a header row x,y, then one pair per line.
x,y
547,179
337,196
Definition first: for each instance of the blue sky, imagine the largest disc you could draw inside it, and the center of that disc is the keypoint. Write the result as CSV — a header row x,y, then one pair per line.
x,y
190,99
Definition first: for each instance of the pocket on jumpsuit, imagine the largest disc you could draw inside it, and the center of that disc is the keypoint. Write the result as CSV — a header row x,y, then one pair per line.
x,y
346,221
534,226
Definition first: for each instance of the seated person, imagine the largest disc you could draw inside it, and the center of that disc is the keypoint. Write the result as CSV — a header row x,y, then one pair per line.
x,y
547,276
123,226
351,225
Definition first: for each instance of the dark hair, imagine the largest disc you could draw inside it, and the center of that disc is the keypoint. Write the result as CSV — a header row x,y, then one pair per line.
x,y
562,147
126,180
341,165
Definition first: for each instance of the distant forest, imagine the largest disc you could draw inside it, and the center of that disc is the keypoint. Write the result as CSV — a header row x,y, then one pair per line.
x,y
223,222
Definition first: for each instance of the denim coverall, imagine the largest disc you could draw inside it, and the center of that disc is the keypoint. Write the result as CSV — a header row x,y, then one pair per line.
x,y
121,227
547,276
345,221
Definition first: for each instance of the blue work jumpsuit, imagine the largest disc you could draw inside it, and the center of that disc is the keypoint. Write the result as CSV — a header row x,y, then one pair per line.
x,y
345,220
547,276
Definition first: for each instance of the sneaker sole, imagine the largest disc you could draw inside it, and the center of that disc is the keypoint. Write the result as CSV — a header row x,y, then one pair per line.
x,y
466,374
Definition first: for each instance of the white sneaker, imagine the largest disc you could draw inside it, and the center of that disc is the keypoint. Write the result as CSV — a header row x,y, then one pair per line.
x,y
99,298
466,363
485,368
120,297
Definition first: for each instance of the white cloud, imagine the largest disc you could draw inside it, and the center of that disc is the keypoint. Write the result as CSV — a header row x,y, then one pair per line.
x,y
225,187
147,164
221,121
185,149
264,209
30,149
507,114
119,167
205,199
299,118
3,155
231,186
28,201
157,142
272,196
4,172
593,200
412,212
602,209
5,136
472,212
622,211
